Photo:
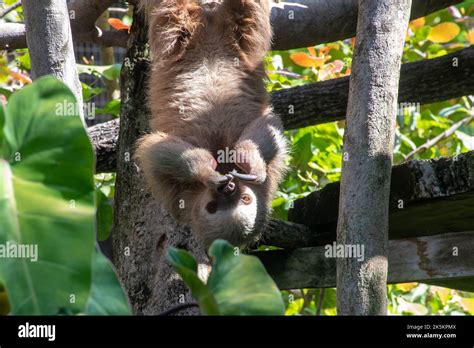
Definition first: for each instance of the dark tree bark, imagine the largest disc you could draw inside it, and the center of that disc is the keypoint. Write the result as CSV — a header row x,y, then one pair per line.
x,y
367,160
304,23
142,229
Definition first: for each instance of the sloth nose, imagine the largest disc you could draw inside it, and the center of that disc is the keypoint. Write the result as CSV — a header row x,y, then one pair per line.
x,y
227,189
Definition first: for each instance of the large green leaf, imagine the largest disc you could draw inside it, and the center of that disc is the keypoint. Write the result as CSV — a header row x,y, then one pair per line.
x,y
241,284
237,285
187,268
107,296
46,200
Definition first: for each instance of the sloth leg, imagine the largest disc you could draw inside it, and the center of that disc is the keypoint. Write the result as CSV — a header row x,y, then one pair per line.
x,y
163,156
172,23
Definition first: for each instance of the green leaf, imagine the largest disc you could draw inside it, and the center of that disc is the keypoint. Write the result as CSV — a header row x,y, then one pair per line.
x,y
107,296
105,215
112,108
2,122
187,268
302,151
110,72
6,92
113,72
46,201
241,284
89,92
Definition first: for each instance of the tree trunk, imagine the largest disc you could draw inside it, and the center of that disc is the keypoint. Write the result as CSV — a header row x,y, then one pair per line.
x,y
367,160
49,38
143,230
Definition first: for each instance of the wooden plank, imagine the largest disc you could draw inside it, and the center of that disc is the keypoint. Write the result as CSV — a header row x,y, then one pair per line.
x,y
427,197
446,259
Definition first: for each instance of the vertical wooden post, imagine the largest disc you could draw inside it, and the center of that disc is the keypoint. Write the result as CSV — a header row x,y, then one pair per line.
x,y
367,160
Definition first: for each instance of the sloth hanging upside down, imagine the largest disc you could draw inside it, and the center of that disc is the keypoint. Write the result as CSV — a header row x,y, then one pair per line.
x,y
216,153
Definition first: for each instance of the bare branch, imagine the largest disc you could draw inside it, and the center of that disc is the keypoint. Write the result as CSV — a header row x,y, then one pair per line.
x,y
304,23
10,8
446,134
12,36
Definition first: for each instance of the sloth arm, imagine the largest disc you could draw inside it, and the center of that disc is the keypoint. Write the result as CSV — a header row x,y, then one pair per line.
x,y
164,156
260,143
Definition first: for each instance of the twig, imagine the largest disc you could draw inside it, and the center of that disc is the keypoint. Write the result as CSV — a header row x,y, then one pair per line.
x,y
447,133
320,301
179,308
9,9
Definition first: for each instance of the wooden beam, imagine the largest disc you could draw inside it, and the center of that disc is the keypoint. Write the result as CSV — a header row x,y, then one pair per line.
x,y
421,82
445,259
427,197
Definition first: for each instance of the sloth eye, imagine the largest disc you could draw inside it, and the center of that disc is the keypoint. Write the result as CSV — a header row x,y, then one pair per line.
x,y
246,199
211,207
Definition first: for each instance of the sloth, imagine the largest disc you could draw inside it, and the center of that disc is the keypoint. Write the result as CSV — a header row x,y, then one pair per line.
x,y
216,152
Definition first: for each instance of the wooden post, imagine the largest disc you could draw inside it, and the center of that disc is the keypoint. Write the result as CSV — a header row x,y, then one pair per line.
x,y
49,38
367,159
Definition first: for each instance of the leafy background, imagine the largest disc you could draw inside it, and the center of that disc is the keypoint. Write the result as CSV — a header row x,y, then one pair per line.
x,y
317,150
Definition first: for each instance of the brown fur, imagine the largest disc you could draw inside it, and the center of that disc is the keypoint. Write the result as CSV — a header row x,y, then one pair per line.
x,y
206,94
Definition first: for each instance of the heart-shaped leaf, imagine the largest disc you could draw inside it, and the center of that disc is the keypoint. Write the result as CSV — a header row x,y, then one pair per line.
x,y
107,296
240,283
237,285
46,201
187,268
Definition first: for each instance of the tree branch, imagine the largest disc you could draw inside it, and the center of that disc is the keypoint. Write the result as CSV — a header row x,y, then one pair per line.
x,y
10,8
326,101
304,23
298,23
12,36
447,133
421,82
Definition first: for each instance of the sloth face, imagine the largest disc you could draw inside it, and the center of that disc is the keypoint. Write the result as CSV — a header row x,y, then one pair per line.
x,y
229,214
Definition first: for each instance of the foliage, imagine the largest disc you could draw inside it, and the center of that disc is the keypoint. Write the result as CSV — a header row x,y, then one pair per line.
x,y
238,284
316,152
316,155
47,202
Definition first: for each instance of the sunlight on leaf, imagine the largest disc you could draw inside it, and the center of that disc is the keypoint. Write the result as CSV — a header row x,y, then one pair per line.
x,y
444,32
406,287
118,24
468,304
470,36
307,61
417,23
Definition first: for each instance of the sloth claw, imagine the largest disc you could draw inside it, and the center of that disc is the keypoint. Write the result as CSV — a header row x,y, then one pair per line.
x,y
244,177
224,179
